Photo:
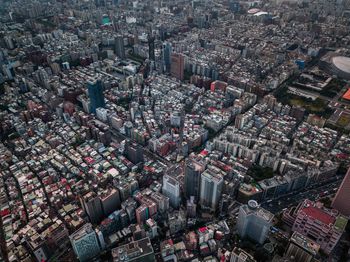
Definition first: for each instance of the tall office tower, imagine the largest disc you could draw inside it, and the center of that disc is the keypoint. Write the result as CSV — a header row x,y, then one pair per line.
x,y
302,248
193,172
210,188
151,54
96,96
167,49
254,222
135,251
177,66
240,255
134,153
171,189
119,47
110,201
341,200
85,243
91,204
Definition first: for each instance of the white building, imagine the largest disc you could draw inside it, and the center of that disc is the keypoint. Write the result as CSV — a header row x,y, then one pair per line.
x,y
171,189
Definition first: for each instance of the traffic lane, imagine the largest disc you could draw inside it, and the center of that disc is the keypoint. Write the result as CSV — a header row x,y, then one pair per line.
x,y
295,198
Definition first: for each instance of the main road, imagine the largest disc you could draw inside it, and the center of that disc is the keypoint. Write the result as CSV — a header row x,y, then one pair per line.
x,y
315,192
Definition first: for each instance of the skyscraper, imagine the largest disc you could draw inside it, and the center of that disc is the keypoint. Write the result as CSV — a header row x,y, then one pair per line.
x,y
96,96
92,206
341,200
254,222
193,172
151,54
110,201
134,153
171,189
210,189
177,66
119,47
85,243
167,49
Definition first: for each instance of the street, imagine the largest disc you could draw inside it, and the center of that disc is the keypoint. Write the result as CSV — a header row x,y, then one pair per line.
x,y
294,198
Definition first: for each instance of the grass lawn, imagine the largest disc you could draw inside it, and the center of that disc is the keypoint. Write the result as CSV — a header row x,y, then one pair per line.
x,y
259,173
341,222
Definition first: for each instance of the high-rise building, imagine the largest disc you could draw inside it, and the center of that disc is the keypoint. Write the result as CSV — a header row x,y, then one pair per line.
x,y
302,248
254,222
151,54
193,172
240,255
167,49
171,189
119,47
96,96
177,66
210,189
134,153
110,201
91,204
135,251
85,243
341,200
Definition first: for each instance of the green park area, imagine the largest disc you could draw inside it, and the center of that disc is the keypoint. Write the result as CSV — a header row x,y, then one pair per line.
x,y
259,173
317,106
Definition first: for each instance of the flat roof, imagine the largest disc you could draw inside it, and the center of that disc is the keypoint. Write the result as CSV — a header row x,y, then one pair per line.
x,y
308,244
341,223
318,214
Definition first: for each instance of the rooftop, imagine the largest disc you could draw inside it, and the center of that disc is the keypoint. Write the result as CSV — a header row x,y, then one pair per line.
x,y
342,63
340,223
306,243
317,213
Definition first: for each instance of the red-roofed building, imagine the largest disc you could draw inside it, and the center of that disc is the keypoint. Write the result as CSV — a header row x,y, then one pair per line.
x,y
346,96
317,223
318,214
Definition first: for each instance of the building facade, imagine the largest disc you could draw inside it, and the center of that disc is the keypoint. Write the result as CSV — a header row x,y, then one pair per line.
x,y
85,243
177,66
193,172
254,222
341,200
171,189
95,90
210,189
119,47
322,225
